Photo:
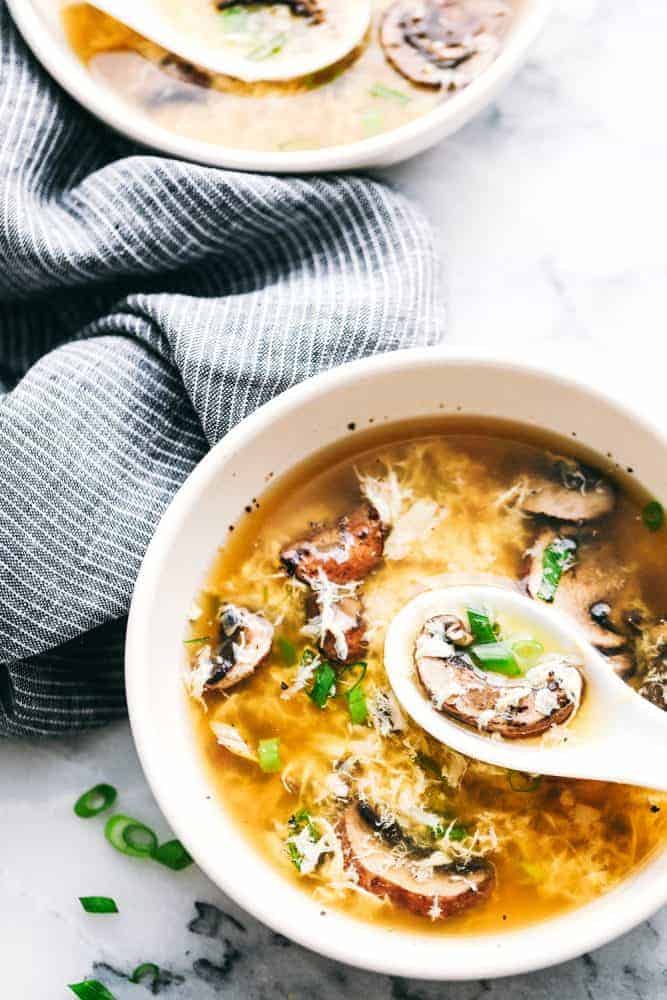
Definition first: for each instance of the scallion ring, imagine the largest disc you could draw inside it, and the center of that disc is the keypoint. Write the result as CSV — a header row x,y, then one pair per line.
x,y
653,515
91,989
173,855
268,755
355,697
95,801
148,974
130,837
287,650
98,904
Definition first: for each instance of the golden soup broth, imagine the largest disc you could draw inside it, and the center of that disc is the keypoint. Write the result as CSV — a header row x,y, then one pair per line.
x,y
555,844
359,97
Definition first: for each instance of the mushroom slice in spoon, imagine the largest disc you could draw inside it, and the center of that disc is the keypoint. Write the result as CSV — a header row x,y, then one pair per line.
x,y
590,590
568,491
382,860
443,43
343,552
547,695
245,641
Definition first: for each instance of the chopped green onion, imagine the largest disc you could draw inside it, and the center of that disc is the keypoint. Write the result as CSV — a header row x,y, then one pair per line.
x,y
301,819
480,626
380,90
356,699
324,685
130,837
146,971
453,831
294,855
373,122
234,19
91,989
173,855
556,559
357,707
268,49
95,801
199,638
520,782
298,822
653,516
497,657
268,753
98,904
527,652
287,651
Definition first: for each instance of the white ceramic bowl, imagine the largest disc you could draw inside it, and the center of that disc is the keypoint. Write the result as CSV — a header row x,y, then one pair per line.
x,y
40,25
282,433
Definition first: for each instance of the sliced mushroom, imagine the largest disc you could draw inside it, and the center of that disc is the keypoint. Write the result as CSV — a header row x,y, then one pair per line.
x,y
347,550
346,641
333,559
381,857
443,43
568,491
245,641
491,702
591,591
546,696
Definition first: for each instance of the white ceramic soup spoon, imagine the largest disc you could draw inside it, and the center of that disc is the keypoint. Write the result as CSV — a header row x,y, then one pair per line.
x,y
240,41
612,734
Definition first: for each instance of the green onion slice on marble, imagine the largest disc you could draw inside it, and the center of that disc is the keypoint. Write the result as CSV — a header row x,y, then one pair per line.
x,y
91,989
173,855
95,801
130,837
98,904
147,974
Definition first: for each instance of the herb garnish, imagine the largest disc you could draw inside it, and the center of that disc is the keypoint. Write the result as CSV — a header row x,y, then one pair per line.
x,y
95,801
98,904
653,516
558,557
380,90
268,755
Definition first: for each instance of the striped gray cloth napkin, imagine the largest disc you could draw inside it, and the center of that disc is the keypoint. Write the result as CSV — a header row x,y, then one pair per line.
x,y
146,306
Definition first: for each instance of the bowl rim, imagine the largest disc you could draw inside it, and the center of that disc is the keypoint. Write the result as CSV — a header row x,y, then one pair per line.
x,y
647,898
388,147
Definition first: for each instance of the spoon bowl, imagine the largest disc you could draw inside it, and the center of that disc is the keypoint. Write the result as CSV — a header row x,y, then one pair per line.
x,y
615,735
265,61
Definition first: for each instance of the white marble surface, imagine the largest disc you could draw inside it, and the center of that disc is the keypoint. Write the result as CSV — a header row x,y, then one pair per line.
x,y
551,215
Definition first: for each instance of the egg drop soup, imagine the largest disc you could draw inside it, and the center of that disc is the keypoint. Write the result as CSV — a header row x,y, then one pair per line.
x,y
308,749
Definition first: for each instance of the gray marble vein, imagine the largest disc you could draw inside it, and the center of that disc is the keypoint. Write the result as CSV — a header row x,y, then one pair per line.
x,y
552,216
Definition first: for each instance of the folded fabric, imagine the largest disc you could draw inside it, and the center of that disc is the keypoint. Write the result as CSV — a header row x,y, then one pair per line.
x,y
146,306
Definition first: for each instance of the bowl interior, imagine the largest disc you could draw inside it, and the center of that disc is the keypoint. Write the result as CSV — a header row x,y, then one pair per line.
x,y
40,24
313,415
